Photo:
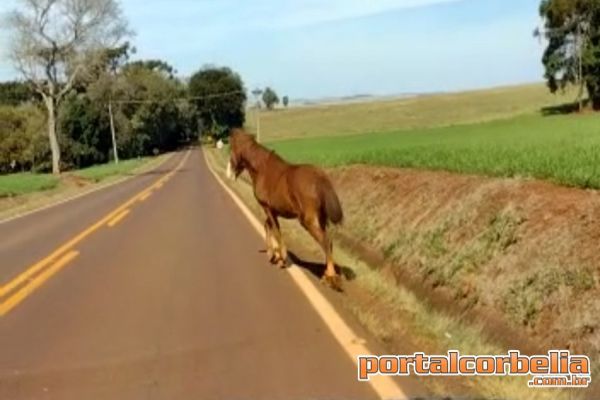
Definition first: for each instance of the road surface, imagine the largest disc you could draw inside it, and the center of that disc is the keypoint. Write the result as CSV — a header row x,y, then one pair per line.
x,y
160,293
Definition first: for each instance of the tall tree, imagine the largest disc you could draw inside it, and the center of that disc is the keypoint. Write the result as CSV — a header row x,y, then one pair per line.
x,y
286,101
155,65
15,92
270,98
572,56
219,98
54,42
22,146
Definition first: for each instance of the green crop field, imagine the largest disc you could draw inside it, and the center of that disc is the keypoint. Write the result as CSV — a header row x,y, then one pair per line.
x,y
564,149
405,114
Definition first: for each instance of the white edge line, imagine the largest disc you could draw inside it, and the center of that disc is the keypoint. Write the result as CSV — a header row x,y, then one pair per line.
x,y
82,194
384,386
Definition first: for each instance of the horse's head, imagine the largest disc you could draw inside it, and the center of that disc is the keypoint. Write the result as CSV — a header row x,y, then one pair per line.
x,y
239,141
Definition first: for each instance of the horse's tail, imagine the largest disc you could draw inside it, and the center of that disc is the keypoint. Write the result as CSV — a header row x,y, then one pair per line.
x,y
330,203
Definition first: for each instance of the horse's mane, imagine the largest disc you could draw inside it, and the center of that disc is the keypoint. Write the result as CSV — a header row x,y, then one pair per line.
x,y
252,148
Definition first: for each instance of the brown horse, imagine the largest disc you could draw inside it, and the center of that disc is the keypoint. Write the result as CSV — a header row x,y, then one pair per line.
x,y
288,191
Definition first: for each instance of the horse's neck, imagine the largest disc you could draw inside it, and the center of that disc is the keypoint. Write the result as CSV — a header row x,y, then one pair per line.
x,y
262,159
262,162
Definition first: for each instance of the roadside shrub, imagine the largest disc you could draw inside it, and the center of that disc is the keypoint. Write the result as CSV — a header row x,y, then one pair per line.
x,y
23,144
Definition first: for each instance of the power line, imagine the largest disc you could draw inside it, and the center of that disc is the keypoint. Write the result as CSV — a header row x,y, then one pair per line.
x,y
180,99
159,101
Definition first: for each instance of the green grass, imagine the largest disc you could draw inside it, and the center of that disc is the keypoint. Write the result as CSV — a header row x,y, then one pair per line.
x,y
564,149
99,173
25,183
18,184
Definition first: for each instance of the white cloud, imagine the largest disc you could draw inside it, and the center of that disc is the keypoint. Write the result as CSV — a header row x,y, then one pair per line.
x,y
296,13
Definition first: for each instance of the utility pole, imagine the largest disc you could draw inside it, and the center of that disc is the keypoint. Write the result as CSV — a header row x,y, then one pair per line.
x,y
112,131
258,123
257,92
580,71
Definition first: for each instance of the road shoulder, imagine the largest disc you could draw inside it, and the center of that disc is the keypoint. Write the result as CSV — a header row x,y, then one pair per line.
x,y
70,189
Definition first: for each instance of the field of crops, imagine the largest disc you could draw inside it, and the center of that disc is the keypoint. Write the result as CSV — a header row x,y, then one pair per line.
x,y
419,112
564,148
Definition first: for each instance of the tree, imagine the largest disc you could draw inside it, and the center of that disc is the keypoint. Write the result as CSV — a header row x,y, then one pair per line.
x,y
270,98
219,98
22,144
54,42
572,56
155,65
286,101
85,135
145,115
15,93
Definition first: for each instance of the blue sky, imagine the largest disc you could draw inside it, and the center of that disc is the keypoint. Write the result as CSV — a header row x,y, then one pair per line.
x,y
320,48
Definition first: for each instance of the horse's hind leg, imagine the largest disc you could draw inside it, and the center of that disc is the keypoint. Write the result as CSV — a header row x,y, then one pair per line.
x,y
318,231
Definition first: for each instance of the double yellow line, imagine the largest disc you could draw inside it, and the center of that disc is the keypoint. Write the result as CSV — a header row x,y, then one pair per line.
x,y
34,276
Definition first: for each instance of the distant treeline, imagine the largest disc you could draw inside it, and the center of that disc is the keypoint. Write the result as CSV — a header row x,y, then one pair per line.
x,y
153,110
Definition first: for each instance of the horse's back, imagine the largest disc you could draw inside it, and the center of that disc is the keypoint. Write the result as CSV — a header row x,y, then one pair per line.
x,y
272,189
312,189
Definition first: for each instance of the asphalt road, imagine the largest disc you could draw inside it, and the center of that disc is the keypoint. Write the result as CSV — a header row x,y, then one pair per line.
x,y
168,297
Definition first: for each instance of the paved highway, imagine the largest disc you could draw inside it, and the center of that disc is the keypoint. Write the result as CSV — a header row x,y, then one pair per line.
x,y
155,289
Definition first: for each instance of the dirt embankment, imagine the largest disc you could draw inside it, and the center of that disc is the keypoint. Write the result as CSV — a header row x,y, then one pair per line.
x,y
523,255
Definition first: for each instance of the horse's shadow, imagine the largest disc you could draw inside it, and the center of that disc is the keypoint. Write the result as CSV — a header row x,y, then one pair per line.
x,y
318,269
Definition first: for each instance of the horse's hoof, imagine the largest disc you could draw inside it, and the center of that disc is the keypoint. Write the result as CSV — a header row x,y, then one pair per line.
x,y
282,264
334,282
272,257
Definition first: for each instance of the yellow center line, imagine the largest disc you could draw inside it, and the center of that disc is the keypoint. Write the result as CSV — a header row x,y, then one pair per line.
x,y
165,179
145,196
118,218
35,268
35,283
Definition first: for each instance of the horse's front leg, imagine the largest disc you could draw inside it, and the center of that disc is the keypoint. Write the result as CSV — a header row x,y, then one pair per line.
x,y
269,241
282,250
276,249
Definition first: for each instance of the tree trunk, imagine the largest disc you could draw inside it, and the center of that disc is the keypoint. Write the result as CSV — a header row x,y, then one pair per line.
x,y
594,95
52,135
596,102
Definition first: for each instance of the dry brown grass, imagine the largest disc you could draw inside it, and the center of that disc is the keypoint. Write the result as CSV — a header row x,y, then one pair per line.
x,y
526,250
